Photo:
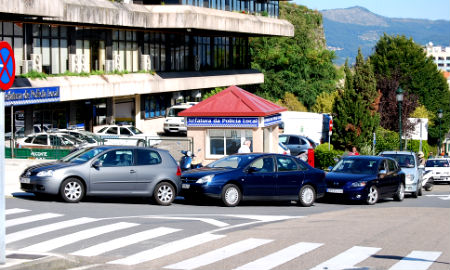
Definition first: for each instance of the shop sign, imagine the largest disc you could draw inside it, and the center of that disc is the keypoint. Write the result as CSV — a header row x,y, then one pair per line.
x,y
26,96
222,122
272,120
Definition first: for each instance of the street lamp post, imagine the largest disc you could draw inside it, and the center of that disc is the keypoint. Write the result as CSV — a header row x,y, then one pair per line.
x,y
399,101
440,114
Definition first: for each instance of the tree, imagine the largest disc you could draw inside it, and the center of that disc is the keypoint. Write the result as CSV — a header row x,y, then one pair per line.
x,y
398,61
353,120
291,102
324,102
301,64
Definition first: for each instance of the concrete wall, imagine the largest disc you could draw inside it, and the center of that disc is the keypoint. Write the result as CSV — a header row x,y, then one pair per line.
x,y
103,12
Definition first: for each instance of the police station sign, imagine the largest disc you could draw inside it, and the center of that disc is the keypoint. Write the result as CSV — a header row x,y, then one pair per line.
x,y
222,122
26,96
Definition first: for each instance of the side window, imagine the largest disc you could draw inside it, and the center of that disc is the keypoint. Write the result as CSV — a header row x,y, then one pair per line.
x,y
283,139
383,166
29,139
41,139
294,140
392,167
55,140
286,164
112,130
301,165
303,141
125,131
264,165
148,157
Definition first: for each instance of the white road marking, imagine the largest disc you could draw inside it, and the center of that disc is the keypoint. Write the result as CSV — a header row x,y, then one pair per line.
x,y
28,219
124,241
442,197
211,221
348,258
417,260
219,254
167,249
15,211
78,236
264,218
20,235
280,257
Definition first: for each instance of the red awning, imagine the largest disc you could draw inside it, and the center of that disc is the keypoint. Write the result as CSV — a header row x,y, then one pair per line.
x,y
233,101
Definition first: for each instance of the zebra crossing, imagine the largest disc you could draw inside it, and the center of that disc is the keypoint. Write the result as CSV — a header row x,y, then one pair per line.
x,y
86,228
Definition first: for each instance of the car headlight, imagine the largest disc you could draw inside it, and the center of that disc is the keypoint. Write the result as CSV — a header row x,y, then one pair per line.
x,y
45,173
359,184
409,178
205,179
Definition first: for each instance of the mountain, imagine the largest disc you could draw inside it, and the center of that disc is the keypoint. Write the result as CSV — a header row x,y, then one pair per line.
x,y
348,29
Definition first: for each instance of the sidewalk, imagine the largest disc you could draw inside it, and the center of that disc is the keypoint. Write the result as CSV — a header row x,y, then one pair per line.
x,y
13,170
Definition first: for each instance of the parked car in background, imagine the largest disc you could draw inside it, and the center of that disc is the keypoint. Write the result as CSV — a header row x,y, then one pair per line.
x,y
107,170
127,135
37,128
410,165
256,176
297,144
90,138
440,169
366,178
48,140
174,123
282,149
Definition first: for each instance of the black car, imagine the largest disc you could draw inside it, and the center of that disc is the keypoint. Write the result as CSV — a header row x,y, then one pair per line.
x,y
366,178
256,176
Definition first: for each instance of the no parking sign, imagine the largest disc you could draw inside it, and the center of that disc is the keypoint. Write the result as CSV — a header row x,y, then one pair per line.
x,y
7,66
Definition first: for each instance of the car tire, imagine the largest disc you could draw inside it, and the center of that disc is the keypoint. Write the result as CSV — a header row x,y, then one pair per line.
x,y
231,195
140,143
419,187
307,196
372,195
72,190
400,194
164,193
415,194
428,187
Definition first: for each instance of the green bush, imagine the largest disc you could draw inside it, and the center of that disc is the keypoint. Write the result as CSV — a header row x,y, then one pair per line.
x,y
386,140
324,158
413,145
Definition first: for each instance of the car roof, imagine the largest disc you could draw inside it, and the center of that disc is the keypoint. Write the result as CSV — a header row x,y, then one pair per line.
x,y
398,152
367,157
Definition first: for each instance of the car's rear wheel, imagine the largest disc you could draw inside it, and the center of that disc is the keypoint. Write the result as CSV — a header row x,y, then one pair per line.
x,y
72,190
428,187
372,195
400,194
164,193
307,196
231,195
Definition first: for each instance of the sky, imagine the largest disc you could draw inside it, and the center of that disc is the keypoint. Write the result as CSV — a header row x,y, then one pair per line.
x,y
414,9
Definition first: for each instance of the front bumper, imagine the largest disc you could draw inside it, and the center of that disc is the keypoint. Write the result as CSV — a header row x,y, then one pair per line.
x,y
354,194
34,184
194,190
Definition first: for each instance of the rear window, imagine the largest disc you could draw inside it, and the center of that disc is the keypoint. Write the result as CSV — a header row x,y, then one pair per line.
x,y
437,163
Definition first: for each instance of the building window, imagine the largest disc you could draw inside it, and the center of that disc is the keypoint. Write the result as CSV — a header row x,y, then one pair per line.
x,y
126,49
13,34
154,106
50,41
222,142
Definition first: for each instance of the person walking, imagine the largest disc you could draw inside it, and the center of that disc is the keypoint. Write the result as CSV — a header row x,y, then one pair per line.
x,y
245,147
354,152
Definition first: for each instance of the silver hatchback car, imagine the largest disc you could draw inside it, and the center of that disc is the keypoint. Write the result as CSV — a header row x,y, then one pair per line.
x,y
107,170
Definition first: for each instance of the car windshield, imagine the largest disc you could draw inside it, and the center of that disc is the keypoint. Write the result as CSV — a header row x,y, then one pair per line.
x,y
135,130
83,155
173,112
89,137
437,163
405,161
232,162
356,166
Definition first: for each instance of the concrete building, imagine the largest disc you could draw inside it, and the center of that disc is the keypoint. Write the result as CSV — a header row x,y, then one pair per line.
x,y
108,62
440,55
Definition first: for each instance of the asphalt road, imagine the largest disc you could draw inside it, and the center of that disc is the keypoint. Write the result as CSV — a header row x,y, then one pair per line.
x,y
119,233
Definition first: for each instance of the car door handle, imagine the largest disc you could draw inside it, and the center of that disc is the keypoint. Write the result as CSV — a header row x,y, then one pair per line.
x,y
132,171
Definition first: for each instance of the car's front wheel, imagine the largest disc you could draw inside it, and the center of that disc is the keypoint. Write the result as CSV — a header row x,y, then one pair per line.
x,y
231,195
400,194
372,195
164,193
307,195
72,190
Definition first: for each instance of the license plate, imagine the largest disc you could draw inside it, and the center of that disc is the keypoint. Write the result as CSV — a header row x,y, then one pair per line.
x,y
185,186
335,190
24,180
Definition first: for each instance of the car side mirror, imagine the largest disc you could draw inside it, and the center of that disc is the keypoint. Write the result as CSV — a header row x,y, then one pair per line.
x,y
252,170
382,173
97,164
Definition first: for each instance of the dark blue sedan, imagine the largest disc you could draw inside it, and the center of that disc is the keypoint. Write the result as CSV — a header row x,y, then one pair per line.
x,y
255,177
366,178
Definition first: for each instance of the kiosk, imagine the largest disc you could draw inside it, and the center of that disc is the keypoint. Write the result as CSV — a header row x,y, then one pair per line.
x,y
219,125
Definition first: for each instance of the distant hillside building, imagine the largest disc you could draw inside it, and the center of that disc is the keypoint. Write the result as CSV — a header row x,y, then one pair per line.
x,y
441,56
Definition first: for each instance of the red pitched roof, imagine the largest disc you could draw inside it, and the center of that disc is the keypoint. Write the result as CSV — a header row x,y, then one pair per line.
x,y
233,101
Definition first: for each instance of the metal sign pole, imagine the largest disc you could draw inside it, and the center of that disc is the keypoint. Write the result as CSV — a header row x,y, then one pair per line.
x,y
2,178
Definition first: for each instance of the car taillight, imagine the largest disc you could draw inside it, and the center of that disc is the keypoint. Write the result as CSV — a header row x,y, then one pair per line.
x,y
178,171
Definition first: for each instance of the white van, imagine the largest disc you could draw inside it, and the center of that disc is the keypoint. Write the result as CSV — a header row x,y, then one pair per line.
x,y
312,125
175,123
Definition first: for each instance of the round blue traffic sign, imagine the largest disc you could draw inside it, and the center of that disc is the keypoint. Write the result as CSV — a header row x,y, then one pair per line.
x,y
7,66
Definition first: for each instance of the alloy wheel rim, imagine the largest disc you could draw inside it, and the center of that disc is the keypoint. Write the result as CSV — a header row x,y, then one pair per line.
x,y
165,193
401,192
231,195
373,195
72,191
307,195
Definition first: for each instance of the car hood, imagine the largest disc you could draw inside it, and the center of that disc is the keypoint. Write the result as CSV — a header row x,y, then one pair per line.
x,y
200,172
346,177
55,165
409,170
